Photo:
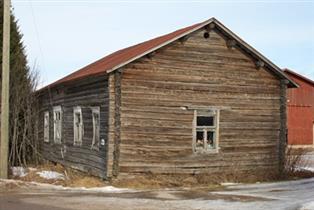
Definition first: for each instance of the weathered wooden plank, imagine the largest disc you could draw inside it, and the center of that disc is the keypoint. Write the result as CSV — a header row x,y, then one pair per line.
x,y
156,132
85,93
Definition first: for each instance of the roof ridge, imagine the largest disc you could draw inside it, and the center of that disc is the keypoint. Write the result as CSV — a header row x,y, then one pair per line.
x,y
126,55
299,75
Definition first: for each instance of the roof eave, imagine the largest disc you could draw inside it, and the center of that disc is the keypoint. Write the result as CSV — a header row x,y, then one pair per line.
x,y
276,69
307,80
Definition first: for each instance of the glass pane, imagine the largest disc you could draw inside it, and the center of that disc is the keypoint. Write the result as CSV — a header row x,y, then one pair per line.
x,y
46,121
210,139
95,142
96,118
77,118
205,121
199,144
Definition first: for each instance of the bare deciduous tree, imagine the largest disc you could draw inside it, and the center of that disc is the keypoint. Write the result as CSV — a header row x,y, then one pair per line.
x,y
23,144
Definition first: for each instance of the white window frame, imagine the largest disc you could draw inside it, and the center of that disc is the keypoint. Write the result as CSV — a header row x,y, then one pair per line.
x,y
57,124
215,113
96,128
78,126
46,126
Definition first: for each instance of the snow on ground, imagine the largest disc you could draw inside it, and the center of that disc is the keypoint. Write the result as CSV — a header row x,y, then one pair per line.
x,y
40,186
229,184
289,195
308,206
19,171
50,175
306,168
308,162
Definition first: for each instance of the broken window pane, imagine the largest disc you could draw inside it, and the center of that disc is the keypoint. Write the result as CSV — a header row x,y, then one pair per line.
x,y
206,130
199,140
96,127
78,126
210,139
57,119
46,127
205,121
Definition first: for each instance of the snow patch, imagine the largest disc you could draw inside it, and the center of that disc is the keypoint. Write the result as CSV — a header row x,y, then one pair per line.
x,y
18,171
306,168
229,184
50,175
308,206
32,169
34,185
105,189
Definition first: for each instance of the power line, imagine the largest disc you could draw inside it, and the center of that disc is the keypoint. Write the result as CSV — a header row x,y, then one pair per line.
x,y
37,34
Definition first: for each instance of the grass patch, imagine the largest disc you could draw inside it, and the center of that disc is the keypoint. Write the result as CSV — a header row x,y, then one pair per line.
x,y
72,178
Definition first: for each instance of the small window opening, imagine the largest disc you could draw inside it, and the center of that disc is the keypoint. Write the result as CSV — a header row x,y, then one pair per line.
x,y
206,35
46,126
78,126
96,127
205,121
206,130
57,124
199,140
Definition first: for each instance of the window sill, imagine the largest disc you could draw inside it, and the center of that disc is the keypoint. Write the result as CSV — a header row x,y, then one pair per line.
x,y
205,152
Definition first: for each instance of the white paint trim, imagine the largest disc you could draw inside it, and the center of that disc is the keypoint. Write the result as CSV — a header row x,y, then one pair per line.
x,y
95,142
215,129
57,109
78,130
46,126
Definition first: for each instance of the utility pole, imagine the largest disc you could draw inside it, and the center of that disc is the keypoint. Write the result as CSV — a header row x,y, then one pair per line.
x,y
4,146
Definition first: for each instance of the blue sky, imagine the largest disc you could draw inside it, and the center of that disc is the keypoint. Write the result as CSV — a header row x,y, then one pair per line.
x,y
62,36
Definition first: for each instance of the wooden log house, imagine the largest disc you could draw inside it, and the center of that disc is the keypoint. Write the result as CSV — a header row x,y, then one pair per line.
x,y
197,100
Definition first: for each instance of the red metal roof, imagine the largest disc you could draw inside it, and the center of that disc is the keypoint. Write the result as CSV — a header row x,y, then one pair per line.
x,y
300,110
127,55
305,79
110,61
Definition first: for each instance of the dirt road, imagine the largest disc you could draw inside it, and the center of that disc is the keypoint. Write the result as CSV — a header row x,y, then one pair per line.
x,y
291,195
284,195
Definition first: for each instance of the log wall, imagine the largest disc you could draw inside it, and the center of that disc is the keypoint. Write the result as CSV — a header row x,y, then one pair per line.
x,y
156,134
85,93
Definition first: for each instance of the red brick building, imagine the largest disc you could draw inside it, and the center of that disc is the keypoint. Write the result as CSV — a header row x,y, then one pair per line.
x,y
300,111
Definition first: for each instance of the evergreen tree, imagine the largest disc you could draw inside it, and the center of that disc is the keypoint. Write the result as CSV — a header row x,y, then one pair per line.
x,y
22,141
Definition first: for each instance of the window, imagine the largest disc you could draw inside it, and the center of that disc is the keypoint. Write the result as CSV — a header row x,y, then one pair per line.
x,y
205,131
96,127
78,126
46,126
57,124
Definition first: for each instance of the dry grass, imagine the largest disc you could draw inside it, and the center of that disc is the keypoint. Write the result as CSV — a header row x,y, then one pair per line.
x,y
72,178
208,181
295,164
156,181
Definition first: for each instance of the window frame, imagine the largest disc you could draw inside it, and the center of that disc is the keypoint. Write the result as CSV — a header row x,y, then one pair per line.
x,y
205,129
56,110
46,126
78,134
95,143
